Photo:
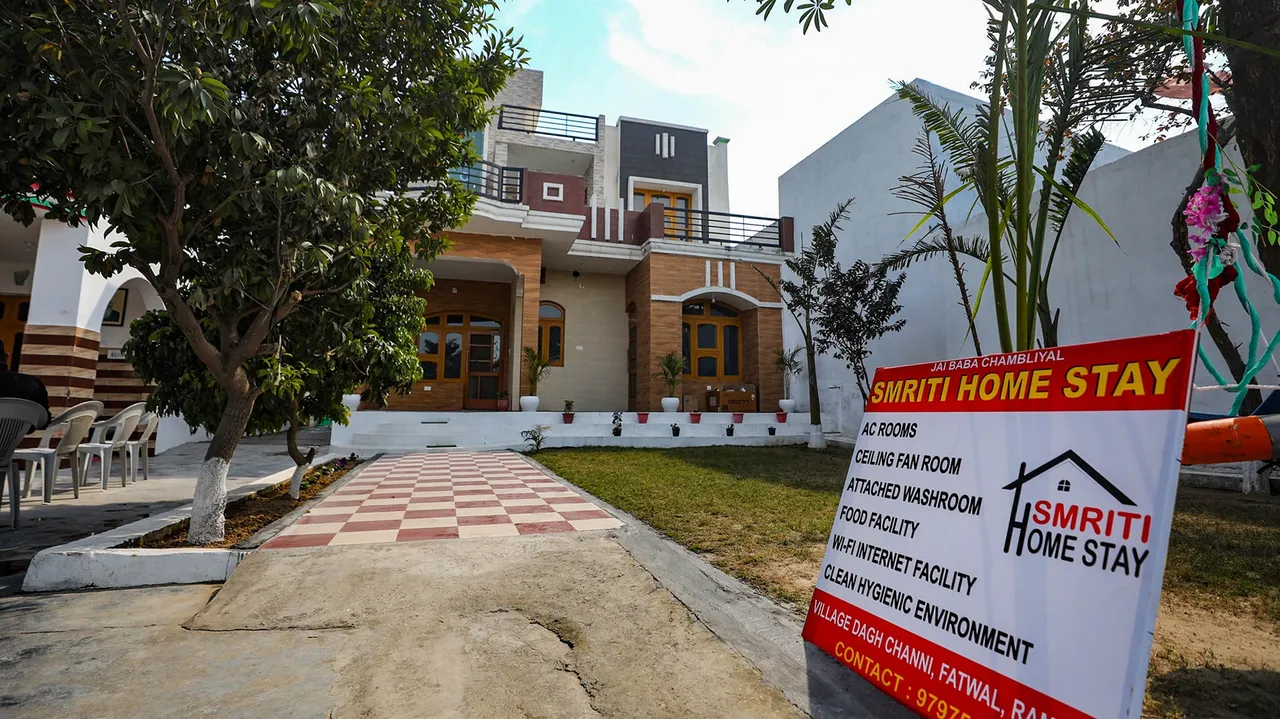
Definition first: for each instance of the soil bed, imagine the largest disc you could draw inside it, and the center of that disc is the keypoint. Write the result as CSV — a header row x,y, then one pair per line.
x,y
247,515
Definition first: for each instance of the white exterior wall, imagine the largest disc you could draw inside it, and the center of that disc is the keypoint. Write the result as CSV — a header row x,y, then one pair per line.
x,y
594,375
1105,291
612,169
523,88
718,176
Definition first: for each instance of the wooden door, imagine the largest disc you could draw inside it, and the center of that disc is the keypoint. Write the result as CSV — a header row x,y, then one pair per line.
x,y
13,324
484,369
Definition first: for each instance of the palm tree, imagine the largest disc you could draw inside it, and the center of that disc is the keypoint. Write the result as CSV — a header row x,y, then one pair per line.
x,y
789,362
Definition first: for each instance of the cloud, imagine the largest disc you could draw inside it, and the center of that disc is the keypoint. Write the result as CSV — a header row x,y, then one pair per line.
x,y
780,94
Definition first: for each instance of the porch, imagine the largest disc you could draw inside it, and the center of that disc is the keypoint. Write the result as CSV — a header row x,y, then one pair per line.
x,y
373,431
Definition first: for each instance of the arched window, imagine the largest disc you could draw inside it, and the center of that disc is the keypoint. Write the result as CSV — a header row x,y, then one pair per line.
x,y
551,333
711,339
1064,486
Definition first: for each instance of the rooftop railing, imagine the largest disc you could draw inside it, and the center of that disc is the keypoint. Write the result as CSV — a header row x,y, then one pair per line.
x,y
727,230
504,184
551,124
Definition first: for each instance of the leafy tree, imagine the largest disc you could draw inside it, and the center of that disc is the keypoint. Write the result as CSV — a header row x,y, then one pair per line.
x,y
804,300
859,307
364,338
244,152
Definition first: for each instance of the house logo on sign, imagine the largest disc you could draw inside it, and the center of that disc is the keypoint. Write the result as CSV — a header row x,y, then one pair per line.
x,y
1066,510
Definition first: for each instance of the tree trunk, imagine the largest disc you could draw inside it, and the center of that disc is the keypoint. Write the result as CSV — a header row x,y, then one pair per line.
x,y
1217,331
208,520
816,439
303,461
1254,98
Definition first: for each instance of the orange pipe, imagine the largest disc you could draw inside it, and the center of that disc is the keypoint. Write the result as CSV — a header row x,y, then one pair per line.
x,y
1236,439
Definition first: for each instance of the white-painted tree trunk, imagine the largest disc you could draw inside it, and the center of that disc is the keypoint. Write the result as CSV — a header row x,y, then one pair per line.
x,y
208,521
295,483
817,440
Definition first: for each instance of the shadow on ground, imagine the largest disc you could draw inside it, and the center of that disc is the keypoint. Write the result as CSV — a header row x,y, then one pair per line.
x,y
1215,693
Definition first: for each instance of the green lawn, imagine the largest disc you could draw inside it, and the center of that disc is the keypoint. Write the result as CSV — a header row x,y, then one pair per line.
x,y
761,514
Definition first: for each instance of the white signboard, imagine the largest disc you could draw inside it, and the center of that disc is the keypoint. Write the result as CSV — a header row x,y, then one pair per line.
x,y
1001,538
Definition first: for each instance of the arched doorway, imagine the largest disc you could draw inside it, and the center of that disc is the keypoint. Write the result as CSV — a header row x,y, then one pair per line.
x,y
711,341
465,348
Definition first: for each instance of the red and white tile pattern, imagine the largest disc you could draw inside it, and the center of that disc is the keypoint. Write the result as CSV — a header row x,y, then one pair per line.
x,y
449,495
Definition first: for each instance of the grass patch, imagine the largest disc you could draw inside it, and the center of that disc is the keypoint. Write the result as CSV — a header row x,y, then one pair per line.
x,y
247,515
761,514
1225,547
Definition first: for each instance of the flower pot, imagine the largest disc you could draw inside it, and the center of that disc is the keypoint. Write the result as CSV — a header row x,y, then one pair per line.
x,y
670,404
529,404
504,405
787,405
773,431
568,417
728,431
737,417
617,431
351,402
695,417
782,417
675,431
643,417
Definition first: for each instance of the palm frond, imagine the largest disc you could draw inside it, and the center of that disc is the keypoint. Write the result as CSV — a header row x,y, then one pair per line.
x,y
961,137
929,247
1085,150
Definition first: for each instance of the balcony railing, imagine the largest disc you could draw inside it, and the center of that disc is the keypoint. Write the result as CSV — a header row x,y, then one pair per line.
x,y
552,124
504,184
726,230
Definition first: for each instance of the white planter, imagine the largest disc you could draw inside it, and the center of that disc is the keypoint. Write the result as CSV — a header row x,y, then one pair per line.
x,y
670,404
787,405
529,404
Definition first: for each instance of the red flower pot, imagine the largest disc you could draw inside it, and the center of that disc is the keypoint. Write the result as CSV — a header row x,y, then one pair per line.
x,y
504,405
643,417
568,417
695,417
782,417
737,417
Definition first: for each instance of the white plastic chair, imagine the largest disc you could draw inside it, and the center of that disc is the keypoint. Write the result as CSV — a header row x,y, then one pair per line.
x,y
109,437
75,424
17,418
140,446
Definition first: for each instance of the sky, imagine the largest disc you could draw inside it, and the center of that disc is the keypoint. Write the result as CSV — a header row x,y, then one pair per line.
x,y
776,93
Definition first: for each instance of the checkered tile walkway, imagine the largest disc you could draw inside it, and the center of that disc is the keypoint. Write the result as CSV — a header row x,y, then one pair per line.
x,y
444,496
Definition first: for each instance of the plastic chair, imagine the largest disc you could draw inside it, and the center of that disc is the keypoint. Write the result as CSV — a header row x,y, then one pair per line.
x,y
75,422
140,446
17,418
109,437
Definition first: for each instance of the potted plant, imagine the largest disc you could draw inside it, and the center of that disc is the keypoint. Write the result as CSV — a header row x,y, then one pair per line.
x,y
737,417
671,372
617,424
782,417
773,431
675,430
537,369
695,417
728,430
643,417
504,400
568,411
789,362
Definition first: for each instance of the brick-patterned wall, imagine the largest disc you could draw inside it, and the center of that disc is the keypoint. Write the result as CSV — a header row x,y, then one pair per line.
x,y
678,274
117,387
658,324
523,254
491,299
65,358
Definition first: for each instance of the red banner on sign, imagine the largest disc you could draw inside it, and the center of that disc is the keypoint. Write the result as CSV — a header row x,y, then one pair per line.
x,y
927,678
1154,375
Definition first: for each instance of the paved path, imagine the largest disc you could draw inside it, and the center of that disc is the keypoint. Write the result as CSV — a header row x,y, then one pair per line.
x,y
444,496
173,478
